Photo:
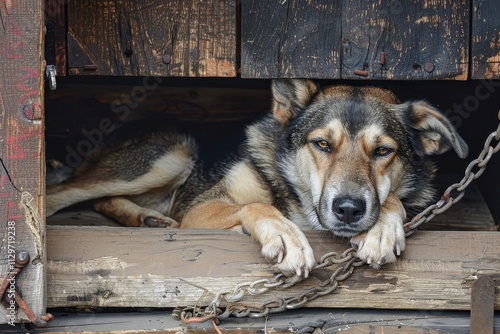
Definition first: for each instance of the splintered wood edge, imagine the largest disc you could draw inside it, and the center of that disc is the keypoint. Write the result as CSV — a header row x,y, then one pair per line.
x,y
134,267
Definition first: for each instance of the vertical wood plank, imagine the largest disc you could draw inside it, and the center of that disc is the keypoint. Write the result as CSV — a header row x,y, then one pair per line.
x,y
485,39
482,315
55,37
291,38
22,226
127,37
422,39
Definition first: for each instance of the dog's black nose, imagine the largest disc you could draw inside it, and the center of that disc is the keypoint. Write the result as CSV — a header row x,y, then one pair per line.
x,y
349,210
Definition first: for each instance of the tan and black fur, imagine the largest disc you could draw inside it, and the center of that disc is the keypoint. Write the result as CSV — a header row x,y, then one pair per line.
x,y
350,161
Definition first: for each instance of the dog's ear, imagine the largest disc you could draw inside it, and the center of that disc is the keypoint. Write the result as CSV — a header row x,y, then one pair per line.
x,y
290,96
432,129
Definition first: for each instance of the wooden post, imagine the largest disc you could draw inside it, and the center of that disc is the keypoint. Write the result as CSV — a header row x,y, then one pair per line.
x,y
22,224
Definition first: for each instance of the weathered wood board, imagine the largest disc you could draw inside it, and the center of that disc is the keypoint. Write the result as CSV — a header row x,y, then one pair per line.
x,y
345,39
291,321
291,38
56,36
485,39
22,181
153,37
127,267
420,39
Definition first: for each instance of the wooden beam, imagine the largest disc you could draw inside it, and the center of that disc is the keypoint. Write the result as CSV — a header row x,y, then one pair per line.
x,y
22,179
129,267
292,321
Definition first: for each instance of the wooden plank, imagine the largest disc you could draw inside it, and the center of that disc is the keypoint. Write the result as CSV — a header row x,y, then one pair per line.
x,y
291,38
127,267
485,39
56,35
154,37
482,315
21,149
326,321
420,39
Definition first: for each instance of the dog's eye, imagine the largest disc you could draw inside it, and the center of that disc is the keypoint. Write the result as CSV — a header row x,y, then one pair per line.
x,y
323,145
382,151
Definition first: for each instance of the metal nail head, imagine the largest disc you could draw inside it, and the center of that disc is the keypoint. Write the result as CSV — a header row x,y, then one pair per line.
x,y
166,59
429,67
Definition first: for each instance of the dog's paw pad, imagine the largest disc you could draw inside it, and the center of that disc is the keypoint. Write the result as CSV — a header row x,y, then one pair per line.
x,y
151,221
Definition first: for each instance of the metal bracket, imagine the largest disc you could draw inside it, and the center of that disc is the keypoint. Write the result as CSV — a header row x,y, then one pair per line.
x,y
11,297
482,312
50,73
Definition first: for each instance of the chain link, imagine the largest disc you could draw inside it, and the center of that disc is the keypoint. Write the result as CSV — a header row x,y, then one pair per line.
x,y
347,260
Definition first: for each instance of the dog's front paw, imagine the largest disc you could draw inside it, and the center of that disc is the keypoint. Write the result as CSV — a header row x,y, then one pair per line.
x,y
155,219
382,242
285,245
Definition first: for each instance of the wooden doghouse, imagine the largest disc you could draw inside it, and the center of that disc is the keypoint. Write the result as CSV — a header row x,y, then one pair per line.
x,y
197,61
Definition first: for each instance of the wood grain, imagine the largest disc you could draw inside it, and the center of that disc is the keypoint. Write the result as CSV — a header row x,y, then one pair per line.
x,y
291,38
127,37
166,268
291,321
420,39
22,181
485,40
335,39
56,35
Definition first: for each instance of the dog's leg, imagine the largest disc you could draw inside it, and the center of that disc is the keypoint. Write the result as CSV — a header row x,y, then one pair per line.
x,y
282,241
104,180
130,214
386,239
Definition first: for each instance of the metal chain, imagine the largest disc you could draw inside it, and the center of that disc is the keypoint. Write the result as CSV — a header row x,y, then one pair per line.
x,y
347,260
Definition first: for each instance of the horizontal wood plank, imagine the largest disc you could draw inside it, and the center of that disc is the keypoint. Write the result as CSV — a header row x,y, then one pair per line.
x,y
327,321
127,267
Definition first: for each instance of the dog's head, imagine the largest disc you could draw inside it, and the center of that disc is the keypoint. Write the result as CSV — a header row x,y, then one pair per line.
x,y
345,149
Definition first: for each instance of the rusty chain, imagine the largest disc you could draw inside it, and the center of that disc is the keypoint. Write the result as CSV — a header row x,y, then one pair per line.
x,y
347,260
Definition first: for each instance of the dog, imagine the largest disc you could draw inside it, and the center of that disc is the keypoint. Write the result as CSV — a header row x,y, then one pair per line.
x,y
347,160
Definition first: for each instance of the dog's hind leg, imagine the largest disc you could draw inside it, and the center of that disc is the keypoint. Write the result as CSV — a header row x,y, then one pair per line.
x,y
114,175
128,213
